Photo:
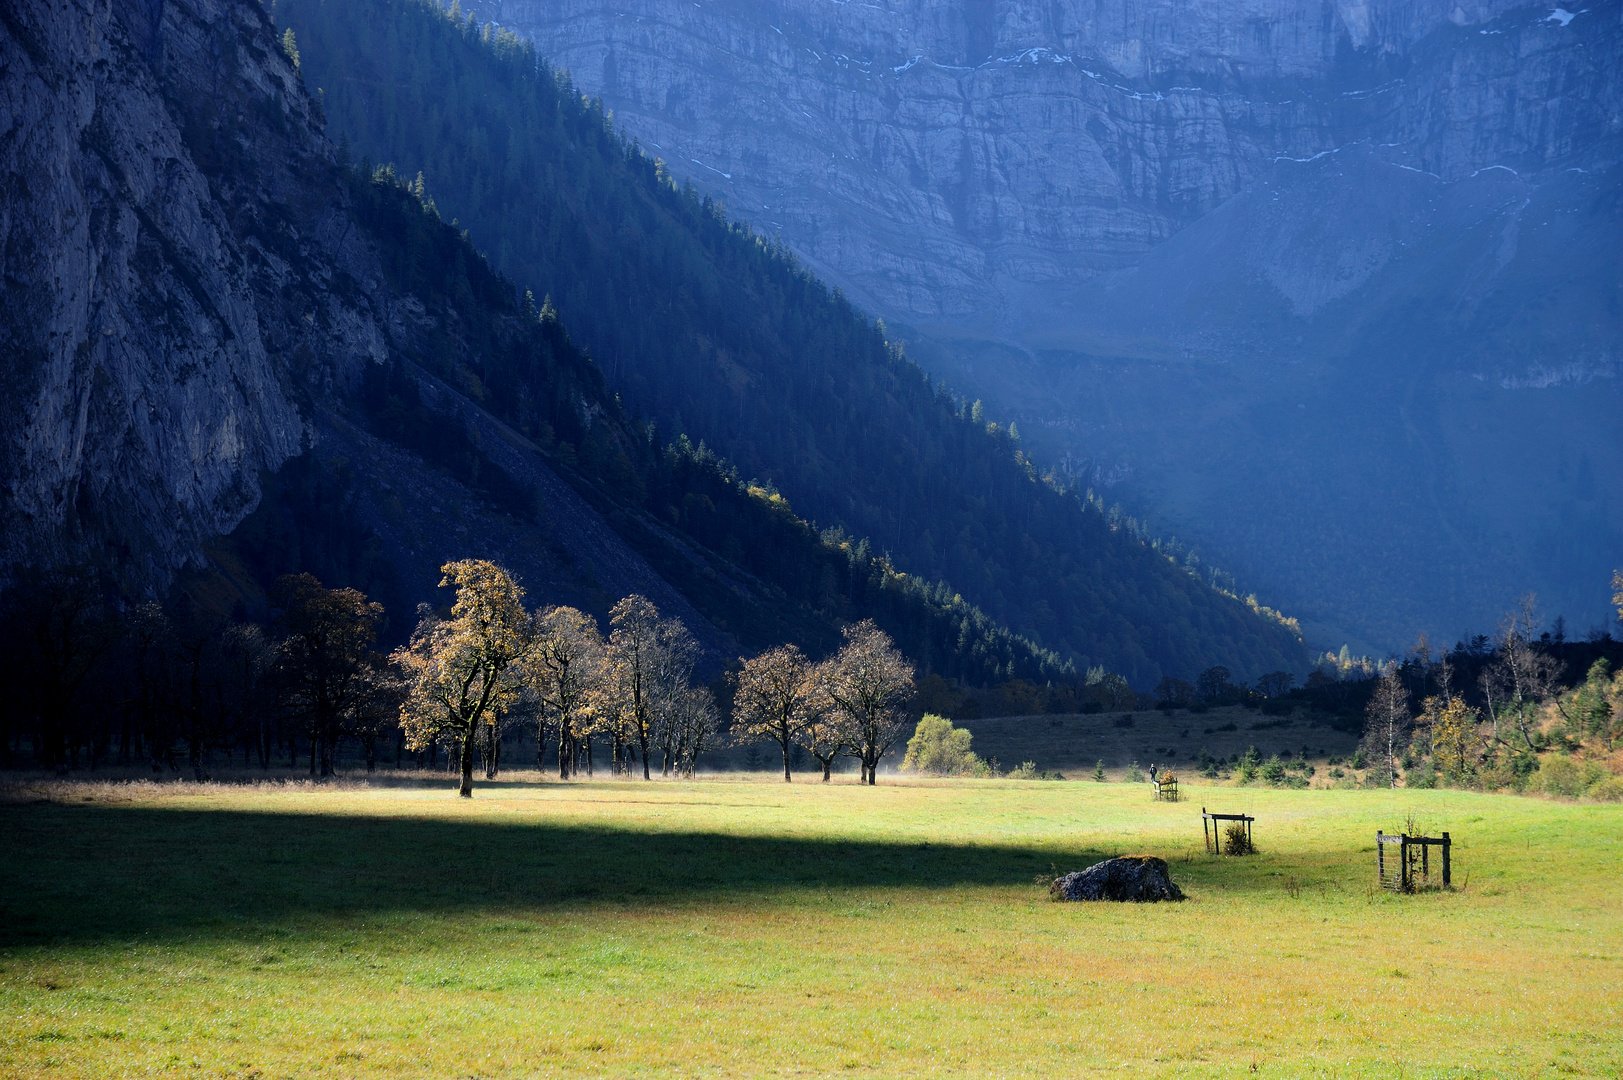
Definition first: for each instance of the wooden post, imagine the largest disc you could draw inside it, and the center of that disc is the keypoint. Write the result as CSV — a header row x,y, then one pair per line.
x,y
1425,862
1380,859
1448,878
1203,833
1403,854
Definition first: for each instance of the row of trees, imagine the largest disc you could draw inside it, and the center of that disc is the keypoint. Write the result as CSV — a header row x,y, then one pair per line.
x,y
1482,716
163,680
491,662
856,702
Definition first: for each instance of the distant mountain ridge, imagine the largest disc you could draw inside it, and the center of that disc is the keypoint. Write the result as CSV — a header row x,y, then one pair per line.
x,y
717,333
956,159
1334,291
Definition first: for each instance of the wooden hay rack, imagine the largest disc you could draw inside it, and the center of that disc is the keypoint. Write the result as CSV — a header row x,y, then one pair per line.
x,y
1212,829
1166,788
1403,863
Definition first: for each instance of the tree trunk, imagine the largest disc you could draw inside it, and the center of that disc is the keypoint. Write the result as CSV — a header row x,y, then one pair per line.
x,y
828,765
467,766
784,743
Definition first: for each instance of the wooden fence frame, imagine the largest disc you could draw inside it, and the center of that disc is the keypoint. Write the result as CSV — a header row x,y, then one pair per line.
x,y
1403,880
1214,836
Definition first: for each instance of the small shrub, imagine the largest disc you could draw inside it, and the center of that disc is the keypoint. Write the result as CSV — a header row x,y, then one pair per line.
x,y
939,749
1249,765
1424,777
1337,773
1608,790
1124,722
1560,775
1026,771
1051,775
1234,839
1273,770
1359,761
1099,772
1134,774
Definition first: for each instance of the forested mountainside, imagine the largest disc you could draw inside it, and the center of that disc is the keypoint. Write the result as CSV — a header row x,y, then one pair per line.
x,y
234,355
1338,263
718,334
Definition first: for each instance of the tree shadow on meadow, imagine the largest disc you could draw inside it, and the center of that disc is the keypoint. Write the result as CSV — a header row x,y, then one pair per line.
x,y
107,872
110,872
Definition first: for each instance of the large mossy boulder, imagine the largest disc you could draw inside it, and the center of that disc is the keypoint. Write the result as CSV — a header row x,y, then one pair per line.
x,y
1139,878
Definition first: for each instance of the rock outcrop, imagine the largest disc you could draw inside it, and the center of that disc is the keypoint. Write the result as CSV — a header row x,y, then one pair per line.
x,y
1136,878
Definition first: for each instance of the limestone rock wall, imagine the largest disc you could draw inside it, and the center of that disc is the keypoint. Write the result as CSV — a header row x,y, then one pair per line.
x,y
168,271
943,159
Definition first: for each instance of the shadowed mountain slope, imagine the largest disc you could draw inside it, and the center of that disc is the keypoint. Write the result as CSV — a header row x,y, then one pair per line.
x,y
716,333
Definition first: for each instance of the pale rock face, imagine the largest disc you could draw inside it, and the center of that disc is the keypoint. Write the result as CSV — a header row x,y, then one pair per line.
x,y
186,302
947,159
145,390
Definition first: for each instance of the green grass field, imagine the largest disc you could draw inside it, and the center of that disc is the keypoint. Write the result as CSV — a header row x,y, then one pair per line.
x,y
749,928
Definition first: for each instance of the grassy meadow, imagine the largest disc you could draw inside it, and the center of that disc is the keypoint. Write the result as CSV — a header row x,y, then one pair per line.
x,y
745,927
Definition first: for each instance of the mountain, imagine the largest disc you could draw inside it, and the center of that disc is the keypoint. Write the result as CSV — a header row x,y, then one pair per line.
x,y
234,355
194,294
718,334
1158,235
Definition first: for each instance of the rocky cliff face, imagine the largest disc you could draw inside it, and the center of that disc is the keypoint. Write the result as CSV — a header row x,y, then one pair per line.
x,y
945,159
156,322
188,301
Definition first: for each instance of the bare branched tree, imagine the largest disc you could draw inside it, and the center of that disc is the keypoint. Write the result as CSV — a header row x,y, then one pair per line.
x,y
564,669
772,696
1522,675
633,662
1388,714
822,731
871,685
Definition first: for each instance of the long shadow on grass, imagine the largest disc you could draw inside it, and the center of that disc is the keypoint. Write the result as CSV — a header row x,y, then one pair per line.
x,y
97,872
